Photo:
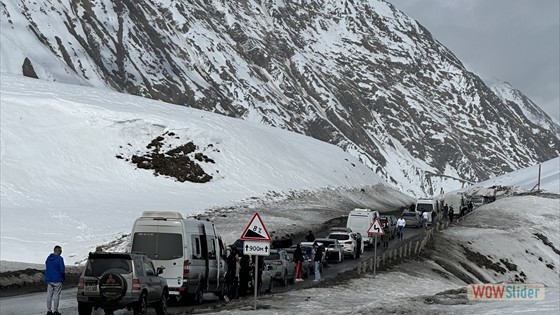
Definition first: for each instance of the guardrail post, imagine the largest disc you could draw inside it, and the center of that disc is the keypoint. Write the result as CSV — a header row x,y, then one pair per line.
x,y
400,252
371,263
383,258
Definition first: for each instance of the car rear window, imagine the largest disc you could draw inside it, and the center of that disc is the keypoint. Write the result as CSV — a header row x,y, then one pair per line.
x,y
340,237
96,267
272,256
409,214
162,246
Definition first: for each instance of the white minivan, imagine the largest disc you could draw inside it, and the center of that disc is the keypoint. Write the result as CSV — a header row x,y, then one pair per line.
x,y
360,220
430,206
191,251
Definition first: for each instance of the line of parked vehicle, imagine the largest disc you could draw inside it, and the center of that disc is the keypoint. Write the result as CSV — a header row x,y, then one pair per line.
x,y
172,258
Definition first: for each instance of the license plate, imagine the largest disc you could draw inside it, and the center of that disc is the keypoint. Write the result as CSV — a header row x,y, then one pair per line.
x,y
91,287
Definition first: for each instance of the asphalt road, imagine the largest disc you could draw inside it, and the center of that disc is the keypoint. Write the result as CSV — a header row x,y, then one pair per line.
x,y
34,303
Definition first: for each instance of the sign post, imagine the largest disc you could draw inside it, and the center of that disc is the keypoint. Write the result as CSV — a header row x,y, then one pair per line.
x,y
375,229
256,242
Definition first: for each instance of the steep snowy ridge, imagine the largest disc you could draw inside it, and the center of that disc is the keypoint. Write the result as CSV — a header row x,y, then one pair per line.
x,y
357,74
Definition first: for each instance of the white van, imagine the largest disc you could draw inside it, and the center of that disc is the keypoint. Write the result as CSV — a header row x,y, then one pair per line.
x,y
360,220
189,249
458,201
429,205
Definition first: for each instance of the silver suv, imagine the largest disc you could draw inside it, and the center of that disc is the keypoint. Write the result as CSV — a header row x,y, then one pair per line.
x,y
112,281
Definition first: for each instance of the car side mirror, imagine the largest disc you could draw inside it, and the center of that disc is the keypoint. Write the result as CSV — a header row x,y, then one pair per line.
x,y
160,270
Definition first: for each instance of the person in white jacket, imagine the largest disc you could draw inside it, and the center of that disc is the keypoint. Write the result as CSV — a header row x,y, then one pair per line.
x,y
401,223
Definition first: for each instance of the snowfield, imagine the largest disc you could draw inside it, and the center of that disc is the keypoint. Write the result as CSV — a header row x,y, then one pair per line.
x,y
66,179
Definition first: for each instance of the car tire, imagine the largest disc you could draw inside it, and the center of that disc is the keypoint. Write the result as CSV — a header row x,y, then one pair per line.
x,y
196,297
141,307
161,306
116,290
285,278
84,308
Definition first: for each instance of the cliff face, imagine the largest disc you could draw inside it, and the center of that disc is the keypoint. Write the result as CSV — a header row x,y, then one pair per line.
x,y
358,74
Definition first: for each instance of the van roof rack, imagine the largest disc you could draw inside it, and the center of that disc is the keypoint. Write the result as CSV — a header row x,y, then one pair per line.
x,y
162,215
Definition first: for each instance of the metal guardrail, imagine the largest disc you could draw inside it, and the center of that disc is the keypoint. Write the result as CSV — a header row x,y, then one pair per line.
x,y
412,248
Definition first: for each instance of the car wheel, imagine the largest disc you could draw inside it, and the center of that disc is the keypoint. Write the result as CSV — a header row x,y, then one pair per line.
x,y
161,306
84,308
141,307
196,298
285,279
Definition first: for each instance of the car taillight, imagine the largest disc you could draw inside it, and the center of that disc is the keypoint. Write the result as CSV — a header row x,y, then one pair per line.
x,y
81,285
186,270
277,262
347,242
136,287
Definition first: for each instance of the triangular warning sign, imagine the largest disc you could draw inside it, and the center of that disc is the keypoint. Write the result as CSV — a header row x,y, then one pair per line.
x,y
255,231
376,228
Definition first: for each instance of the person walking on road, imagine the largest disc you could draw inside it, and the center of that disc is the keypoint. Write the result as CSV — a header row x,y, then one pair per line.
x,y
385,236
446,212
298,258
451,214
54,277
310,237
425,219
317,260
401,223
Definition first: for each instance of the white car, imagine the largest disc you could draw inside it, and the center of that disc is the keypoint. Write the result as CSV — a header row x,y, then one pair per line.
x,y
351,242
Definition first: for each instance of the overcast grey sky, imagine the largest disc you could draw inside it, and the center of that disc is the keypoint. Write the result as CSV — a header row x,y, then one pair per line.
x,y
517,41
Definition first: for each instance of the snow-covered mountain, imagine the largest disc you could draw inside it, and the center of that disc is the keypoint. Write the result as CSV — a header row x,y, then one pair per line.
x,y
358,74
79,165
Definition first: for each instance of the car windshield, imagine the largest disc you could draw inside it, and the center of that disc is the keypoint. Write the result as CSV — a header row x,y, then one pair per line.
x,y
96,267
340,237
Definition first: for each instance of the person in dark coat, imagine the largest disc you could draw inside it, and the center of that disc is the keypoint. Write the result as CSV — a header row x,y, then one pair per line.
x,y
54,277
277,243
232,280
451,212
244,275
298,258
310,237
385,236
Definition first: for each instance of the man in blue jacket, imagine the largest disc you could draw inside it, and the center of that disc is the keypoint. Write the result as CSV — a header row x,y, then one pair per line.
x,y
54,277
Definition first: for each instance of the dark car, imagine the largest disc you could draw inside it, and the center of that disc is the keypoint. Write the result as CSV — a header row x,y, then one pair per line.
x,y
309,254
305,265
333,249
113,281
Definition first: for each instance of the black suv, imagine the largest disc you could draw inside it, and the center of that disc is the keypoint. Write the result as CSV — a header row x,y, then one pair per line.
x,y
114,281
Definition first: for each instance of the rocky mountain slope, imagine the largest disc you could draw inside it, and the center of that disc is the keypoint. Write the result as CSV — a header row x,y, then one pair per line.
x,y
358,74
